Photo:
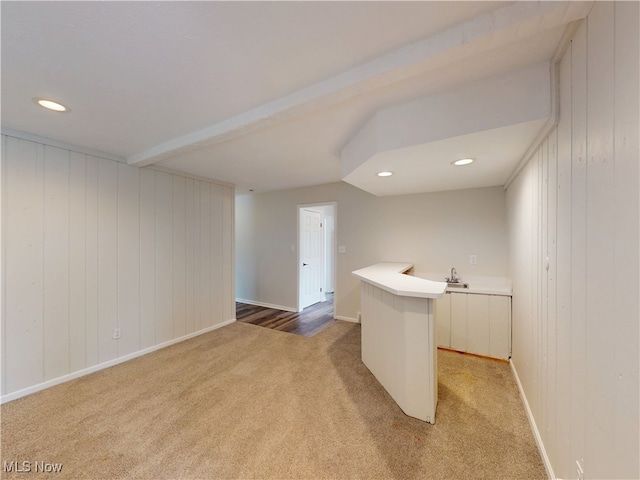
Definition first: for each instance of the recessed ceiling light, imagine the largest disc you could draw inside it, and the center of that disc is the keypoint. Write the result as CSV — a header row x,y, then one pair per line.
x,y
462,161
51,105
385,174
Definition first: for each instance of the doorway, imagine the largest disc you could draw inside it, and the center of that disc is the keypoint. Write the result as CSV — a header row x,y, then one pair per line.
x,y
316,253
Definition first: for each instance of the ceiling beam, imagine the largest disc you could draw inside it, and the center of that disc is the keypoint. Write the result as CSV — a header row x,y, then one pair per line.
x,y
495,29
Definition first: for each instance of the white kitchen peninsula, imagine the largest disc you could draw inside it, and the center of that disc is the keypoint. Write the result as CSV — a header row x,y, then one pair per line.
x,y
399,335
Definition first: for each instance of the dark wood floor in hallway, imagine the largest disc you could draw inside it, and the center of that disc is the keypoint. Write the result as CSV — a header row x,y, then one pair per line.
x,y
307,323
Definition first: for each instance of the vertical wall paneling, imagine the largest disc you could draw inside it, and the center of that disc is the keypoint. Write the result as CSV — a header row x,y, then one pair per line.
x,y
552,226
228,242
107,260
24,354
77,262
164,253
533,357
217,236
538,293
520,242
578,241
56,262
543,282
179,256
626,242
197,266
205,255
581,379
600,386
525,332
190,254
3,270
563,460
91,261
147,258
533,341
90,245
128,259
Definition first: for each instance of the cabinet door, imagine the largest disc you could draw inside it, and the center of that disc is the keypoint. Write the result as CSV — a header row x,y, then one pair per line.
x,y
478,324
500,328
459,321
442,314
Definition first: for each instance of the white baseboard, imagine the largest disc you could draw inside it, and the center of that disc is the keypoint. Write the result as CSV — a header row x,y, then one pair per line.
x,y
86,371
266,305
534,427
347,319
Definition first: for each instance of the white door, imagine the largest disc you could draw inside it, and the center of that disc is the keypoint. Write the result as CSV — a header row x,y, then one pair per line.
x,y
311,258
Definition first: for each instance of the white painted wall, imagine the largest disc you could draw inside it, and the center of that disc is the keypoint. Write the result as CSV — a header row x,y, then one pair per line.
x,y
90,245
246,247
269,271
575,325
434,231
437,231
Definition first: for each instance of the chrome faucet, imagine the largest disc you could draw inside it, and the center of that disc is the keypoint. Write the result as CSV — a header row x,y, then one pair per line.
x,y
454,276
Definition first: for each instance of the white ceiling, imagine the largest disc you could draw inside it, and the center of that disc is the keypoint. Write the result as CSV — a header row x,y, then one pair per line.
x,y
264,95
427,167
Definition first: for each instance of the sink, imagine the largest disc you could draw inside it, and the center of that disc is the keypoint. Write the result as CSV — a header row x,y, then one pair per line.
x,y
457,285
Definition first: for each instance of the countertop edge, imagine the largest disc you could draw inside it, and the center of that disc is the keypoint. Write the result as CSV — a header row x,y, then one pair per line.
x,y
480,291
391,277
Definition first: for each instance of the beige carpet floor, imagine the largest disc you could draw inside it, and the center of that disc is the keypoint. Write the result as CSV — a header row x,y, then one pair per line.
x,y
245,402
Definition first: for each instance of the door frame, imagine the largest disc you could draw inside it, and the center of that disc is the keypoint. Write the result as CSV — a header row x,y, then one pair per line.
x,y
334,262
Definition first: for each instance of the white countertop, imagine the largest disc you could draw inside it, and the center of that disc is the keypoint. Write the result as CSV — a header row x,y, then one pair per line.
x,y
391,277
478,284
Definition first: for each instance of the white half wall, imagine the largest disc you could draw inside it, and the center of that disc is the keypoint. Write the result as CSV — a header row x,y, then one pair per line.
x,y
435,231
574,208
91,245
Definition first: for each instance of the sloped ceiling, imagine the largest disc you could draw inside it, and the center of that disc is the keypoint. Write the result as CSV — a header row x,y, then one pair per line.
x,y
264,95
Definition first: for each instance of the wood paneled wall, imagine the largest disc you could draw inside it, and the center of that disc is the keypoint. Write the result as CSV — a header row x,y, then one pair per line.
x,y
90,245
575,209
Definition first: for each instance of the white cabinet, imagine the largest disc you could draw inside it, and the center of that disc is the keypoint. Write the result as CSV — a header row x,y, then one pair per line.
x,y
474,323
442,316
500,326
478,330
459,321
